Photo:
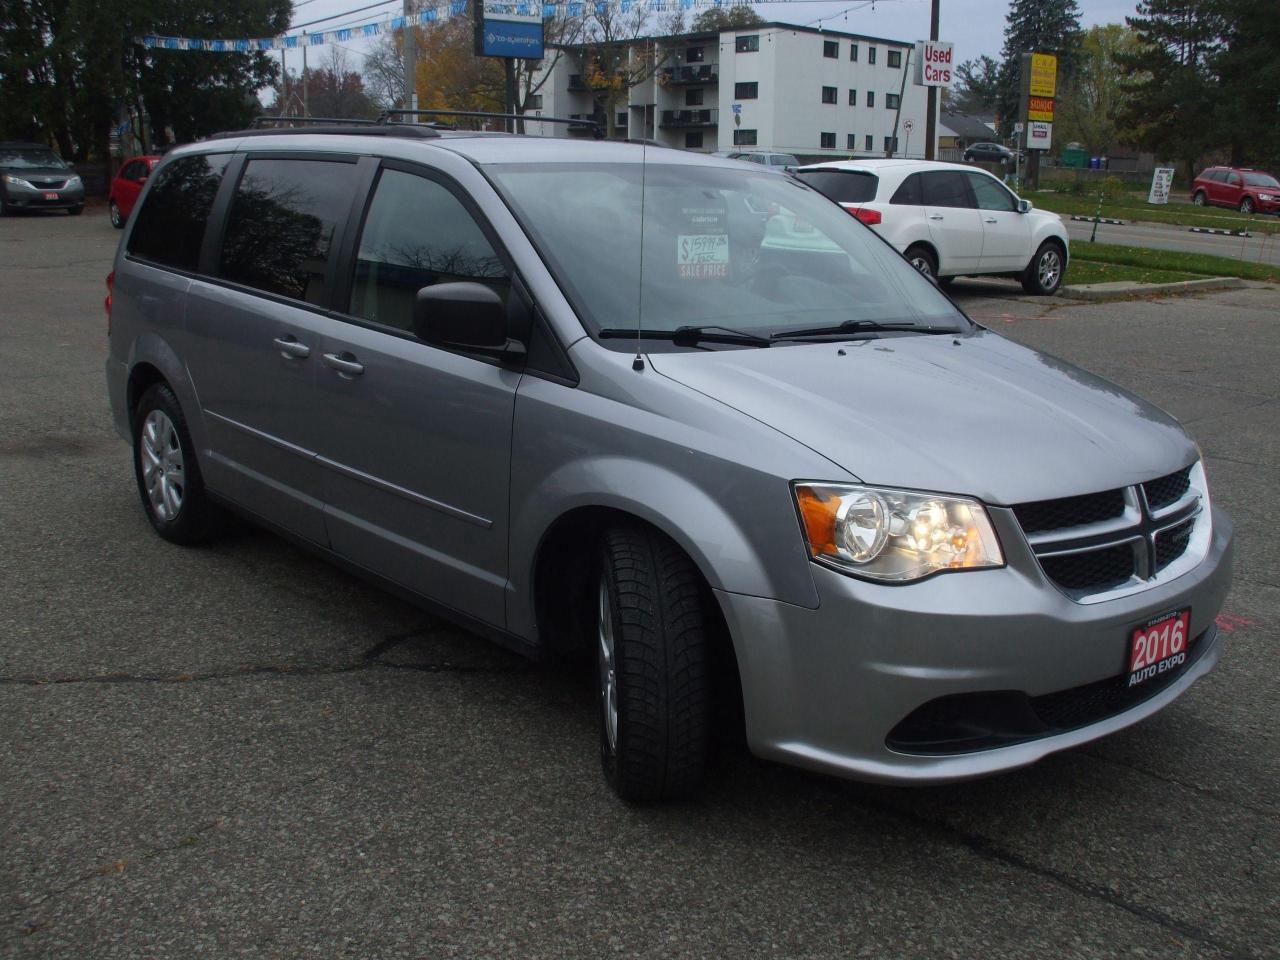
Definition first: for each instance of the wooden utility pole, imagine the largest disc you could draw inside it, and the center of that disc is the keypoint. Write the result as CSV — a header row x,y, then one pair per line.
x,y
931,113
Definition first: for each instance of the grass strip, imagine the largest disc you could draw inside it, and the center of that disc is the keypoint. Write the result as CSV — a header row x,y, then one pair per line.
x,y
1089,271
1173,214
1171,261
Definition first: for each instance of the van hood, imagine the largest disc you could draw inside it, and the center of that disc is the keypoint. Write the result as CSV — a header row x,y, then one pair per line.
x,y
972,414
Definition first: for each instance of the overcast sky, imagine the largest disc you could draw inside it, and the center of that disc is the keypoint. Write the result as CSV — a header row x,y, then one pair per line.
x,y
974,26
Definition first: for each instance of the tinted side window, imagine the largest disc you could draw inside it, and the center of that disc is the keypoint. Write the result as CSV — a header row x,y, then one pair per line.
x,y
170,226
281,227
841,186
990,194
946,188
909,192
417,234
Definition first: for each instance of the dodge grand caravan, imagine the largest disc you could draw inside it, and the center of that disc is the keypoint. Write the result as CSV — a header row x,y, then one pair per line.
x,y
674,411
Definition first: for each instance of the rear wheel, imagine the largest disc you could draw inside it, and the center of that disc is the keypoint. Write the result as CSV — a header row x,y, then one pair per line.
x,y
117,220
1043,275
1246,205
165,467
923,259
651,651
1199,199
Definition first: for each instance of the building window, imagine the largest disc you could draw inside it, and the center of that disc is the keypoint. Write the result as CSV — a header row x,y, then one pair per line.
x,y
891,101
827,141
748,44
533,102
693,97
895,59
744,138
852,142
622,119
831,49
891,144
695,54
871,54
871,98
828,94
746,91
868,142
853,98
693,140
853,52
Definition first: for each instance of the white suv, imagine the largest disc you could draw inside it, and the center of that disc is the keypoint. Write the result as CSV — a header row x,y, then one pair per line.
x,y
948,219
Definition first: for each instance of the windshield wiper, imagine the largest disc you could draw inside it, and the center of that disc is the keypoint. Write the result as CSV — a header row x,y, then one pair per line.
x,y
857,326
690,336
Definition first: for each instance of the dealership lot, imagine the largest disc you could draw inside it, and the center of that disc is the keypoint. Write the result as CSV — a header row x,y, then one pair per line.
x,y
242,750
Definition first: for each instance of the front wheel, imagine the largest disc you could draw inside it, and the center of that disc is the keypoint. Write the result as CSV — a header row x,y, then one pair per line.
x,y
1044,273
1246,205
1199,198
165,467
651,651
922,258
117,220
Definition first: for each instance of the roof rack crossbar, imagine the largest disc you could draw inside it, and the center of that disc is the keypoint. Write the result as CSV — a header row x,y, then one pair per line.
x,y
264,121
389,116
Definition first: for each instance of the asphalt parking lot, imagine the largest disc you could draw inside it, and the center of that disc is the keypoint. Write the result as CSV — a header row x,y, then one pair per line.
x,y
240,751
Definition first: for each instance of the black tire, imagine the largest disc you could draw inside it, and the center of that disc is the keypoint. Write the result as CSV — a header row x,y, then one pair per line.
x,y
652,599
968,158
1199,198
195,518
76,211
1246,205
945,282
117,221
1044,273
923,260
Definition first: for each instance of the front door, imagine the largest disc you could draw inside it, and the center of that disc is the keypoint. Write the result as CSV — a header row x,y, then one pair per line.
x,y
1006,233
416,442
954,223
255,337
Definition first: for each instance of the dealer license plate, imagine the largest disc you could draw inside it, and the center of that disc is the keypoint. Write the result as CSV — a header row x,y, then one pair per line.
x,y
51,196
1158,646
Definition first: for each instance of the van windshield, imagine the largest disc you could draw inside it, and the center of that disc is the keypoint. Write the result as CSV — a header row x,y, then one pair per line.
x,y
742,250
30,158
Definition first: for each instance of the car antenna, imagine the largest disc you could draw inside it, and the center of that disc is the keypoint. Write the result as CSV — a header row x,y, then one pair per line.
x,y
638,363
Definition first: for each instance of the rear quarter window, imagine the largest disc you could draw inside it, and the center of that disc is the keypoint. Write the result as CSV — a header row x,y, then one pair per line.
x,y
169,228
842,186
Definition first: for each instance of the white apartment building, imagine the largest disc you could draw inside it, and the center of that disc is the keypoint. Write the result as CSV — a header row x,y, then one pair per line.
x,y
813,93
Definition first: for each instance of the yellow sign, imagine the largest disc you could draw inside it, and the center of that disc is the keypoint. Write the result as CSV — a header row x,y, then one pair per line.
x,y
1044,76
1040,108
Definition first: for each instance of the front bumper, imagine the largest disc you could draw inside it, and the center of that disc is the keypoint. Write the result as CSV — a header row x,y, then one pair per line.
x,y
26,198
823,688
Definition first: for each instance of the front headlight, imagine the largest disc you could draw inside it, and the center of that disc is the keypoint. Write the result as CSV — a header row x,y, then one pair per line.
x,y
17,181
1265,196
895,535
73,180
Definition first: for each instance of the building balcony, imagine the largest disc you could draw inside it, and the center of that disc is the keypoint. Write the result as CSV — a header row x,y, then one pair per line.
x,y
586,118
576,84
695,73
689,118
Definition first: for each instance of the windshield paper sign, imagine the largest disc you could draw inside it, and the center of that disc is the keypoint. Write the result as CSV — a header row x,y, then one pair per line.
x,y
703,256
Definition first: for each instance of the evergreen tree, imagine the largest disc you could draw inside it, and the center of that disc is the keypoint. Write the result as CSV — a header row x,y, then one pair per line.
x,y
1247,68
1035,26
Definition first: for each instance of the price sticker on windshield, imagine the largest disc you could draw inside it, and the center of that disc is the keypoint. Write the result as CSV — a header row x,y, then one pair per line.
x,y
703,256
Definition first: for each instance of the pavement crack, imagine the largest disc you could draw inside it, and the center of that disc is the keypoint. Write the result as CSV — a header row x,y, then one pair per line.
x,y
990,850
1207,792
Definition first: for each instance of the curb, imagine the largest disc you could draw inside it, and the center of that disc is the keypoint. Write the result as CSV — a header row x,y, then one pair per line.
x,y
1119,289
1117,223
1221,233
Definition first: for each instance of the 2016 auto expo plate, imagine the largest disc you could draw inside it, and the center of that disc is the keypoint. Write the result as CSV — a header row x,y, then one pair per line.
x,y
1159,645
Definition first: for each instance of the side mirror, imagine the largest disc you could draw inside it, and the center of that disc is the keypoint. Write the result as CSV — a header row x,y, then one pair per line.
x,y
1024,206
464,316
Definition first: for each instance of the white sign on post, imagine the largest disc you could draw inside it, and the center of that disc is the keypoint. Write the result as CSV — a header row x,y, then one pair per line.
x,y
1161,182
934,63
1039,135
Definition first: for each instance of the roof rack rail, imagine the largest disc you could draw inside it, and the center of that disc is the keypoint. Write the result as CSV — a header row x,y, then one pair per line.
x,y
275,126
390,117
263,121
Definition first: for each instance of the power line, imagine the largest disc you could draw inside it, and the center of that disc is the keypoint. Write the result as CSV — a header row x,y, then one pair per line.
x,y
344,13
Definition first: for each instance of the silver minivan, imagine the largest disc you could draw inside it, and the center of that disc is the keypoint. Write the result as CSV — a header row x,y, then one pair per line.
x,y
675,412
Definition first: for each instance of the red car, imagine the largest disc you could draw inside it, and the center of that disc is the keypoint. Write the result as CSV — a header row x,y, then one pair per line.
x,y
127,185
1238,187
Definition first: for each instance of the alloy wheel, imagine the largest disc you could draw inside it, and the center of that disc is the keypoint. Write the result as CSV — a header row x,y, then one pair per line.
x,y
115,216
608,669
1049,269
163,473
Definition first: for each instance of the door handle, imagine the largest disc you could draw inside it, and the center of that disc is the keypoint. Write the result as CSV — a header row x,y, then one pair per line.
x,y
346,366
990,220
936,216
290,348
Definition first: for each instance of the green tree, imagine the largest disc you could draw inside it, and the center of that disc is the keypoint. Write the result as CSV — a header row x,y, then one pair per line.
x,y
730,17
1035,26
1088,108
1170,96
977,90
1247,68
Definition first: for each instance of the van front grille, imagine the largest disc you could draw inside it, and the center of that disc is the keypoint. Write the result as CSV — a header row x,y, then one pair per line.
x,y
1067,512
1091,569
1167,490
